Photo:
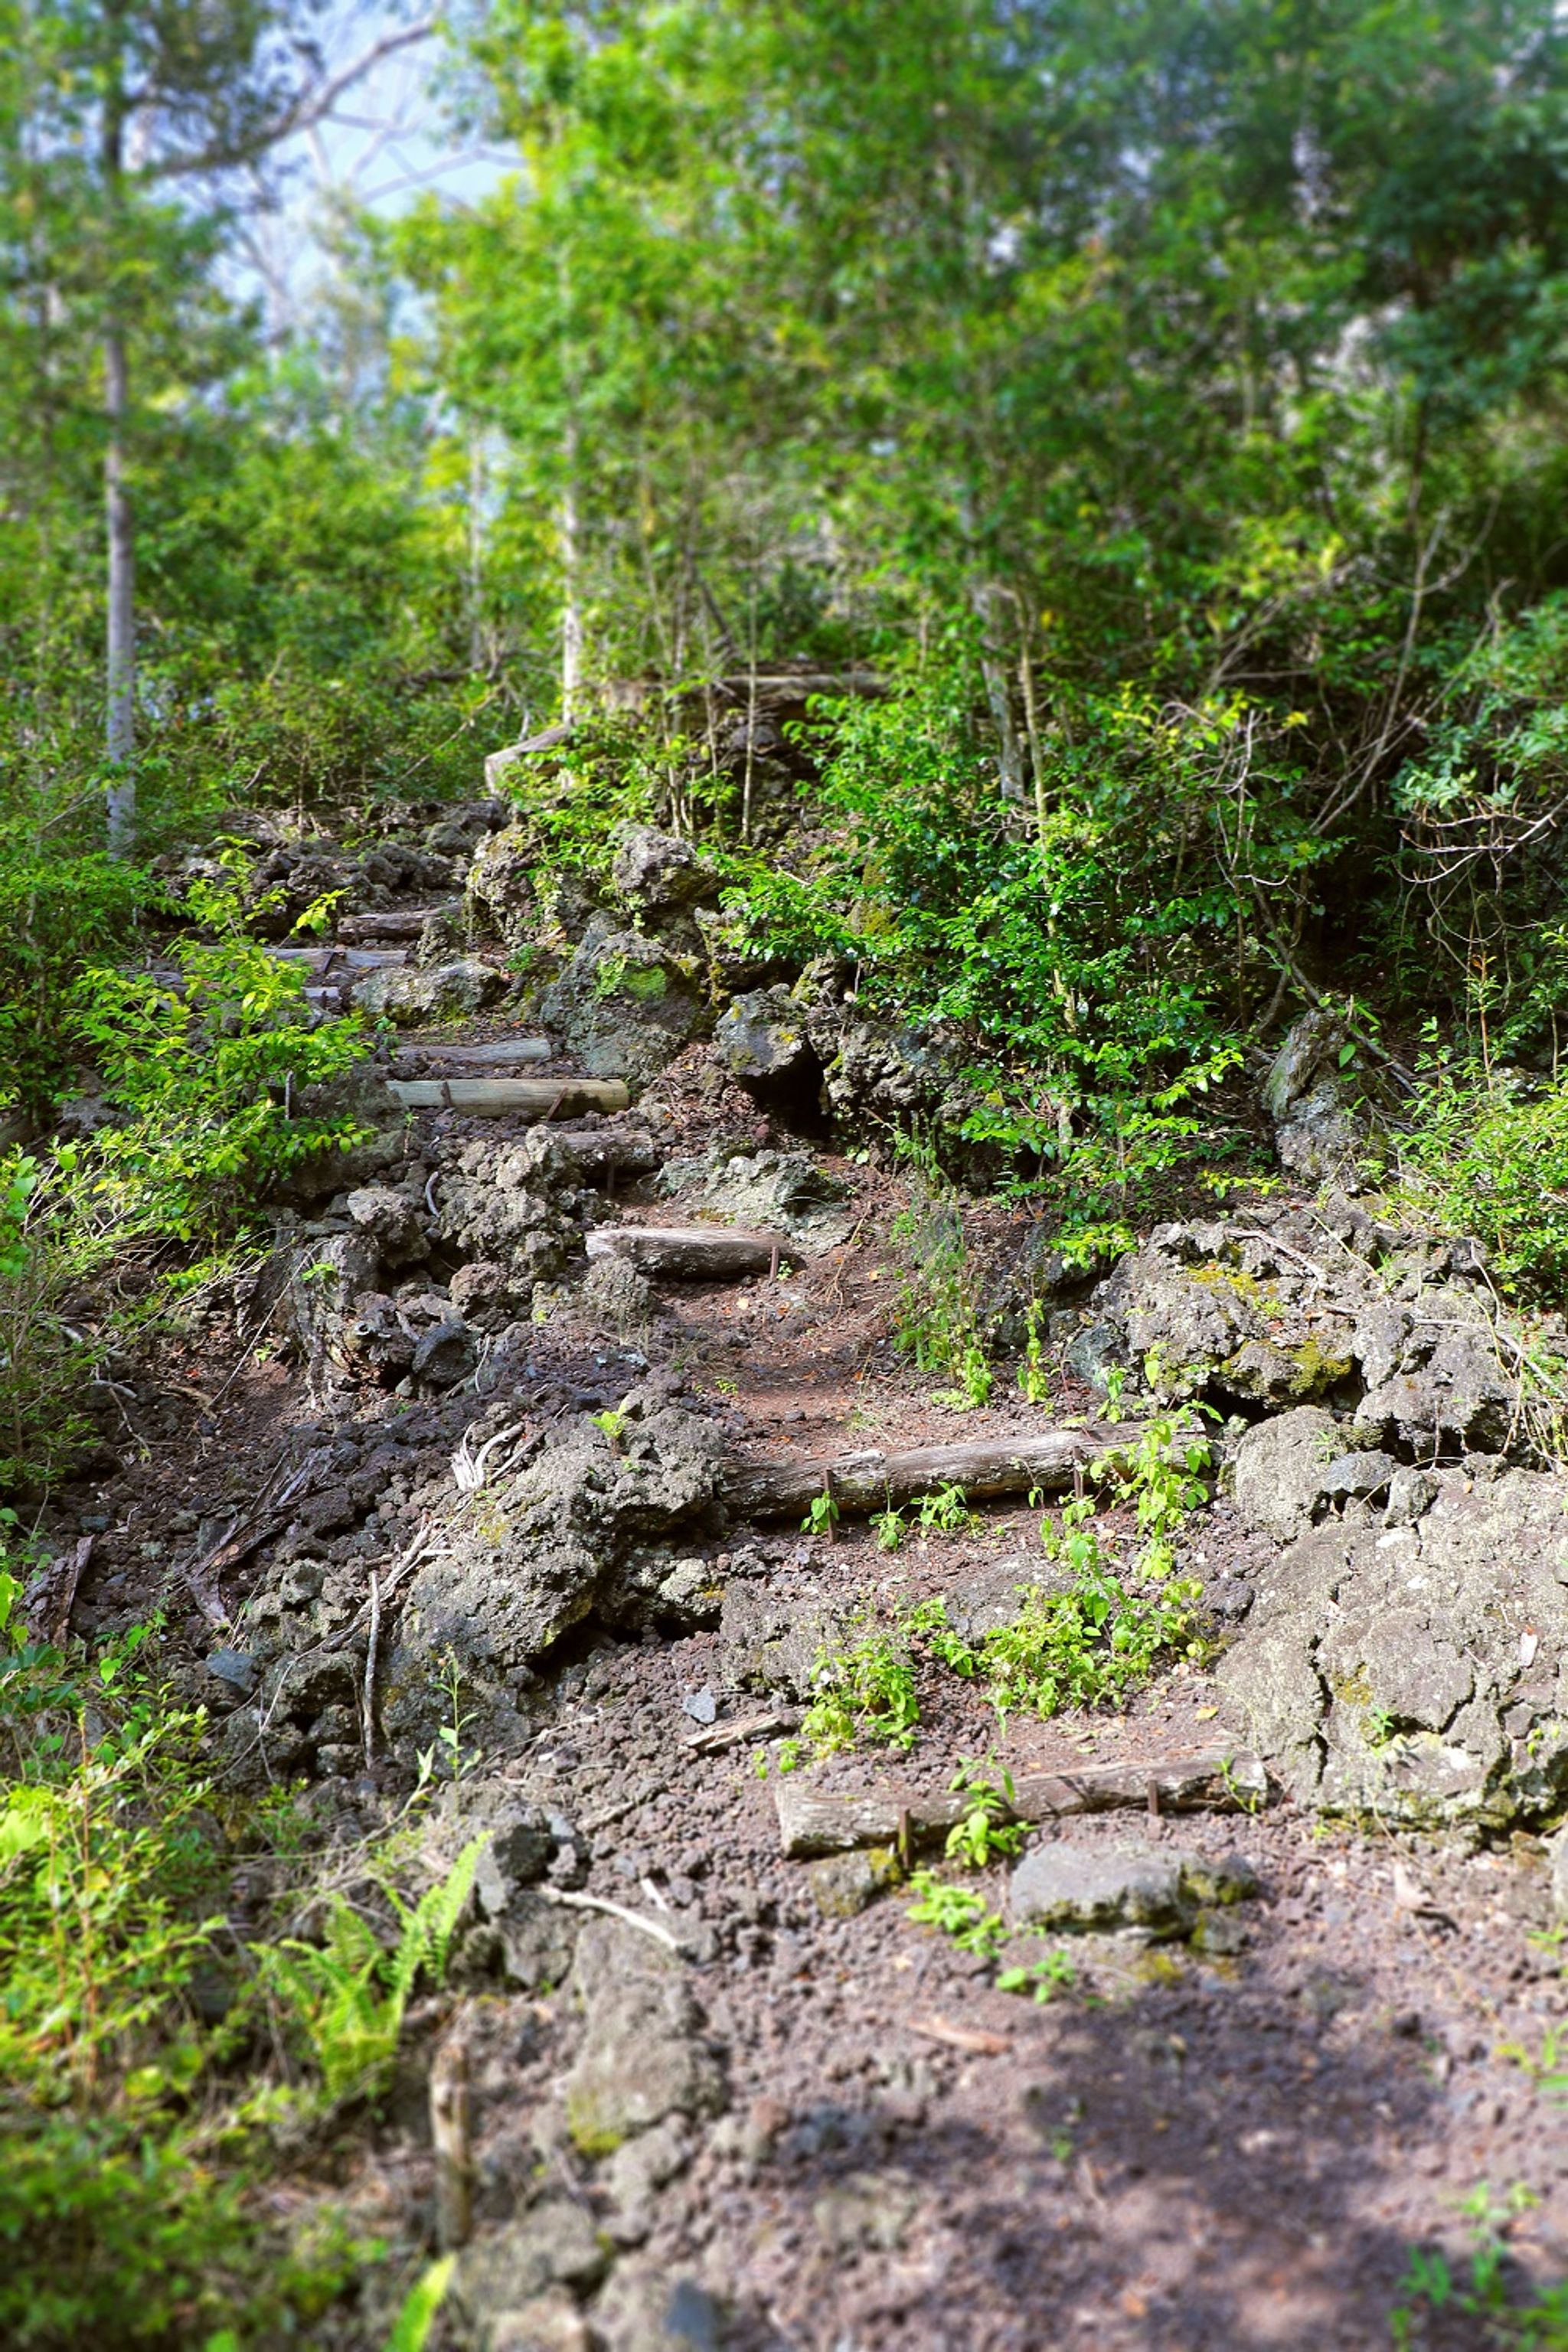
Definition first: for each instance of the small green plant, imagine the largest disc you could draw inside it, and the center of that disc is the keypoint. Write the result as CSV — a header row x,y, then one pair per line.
x,y
1483,2291
938,1315
957,1912
928,1622
613,1423
1042,1979
889,1529
411,2332
866,1692
985,1830
134,2136
1546,2067
209,1076
821,1514
348,1993
1033,1381
944,1513
448,1735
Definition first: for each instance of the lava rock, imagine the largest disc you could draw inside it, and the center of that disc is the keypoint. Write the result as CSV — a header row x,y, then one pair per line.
x,y
1417,1673
446,992
642,2056
1128,1884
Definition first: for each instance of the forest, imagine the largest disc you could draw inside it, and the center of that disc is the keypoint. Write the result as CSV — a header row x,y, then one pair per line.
x,y
784,975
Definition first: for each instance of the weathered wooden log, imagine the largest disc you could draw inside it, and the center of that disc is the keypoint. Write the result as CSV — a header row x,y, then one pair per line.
x,y
691,1253
879,1482
396,923
322,961
1217,1780
511,1098
504,1054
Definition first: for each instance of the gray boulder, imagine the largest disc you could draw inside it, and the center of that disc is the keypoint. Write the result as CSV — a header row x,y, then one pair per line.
x,y
1317,1134
500,2275
1418,1671
767,1192
625,1005
519,1207
761,1038
643,2056
394,1216
1280,1468
649,2307
1066,1885
444,992
546,1546
655,872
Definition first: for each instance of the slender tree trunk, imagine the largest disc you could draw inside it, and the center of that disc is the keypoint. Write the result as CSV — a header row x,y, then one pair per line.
x,y
476,556
120,676
119,662
571,581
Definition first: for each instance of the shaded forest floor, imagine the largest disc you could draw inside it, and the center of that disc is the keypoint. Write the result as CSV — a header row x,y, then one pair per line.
x,y
1179,2148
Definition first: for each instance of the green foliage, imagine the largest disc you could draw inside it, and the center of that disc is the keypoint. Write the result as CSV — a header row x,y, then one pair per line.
x,y
348,1993
1042,1979
44,1359
1486,2289
1486,1154
821,1514
1086,1647
126,2195
889,1529
938,1314
421,2307
944,1513
957,1912
985,1830
56,912
863,1692
205,1072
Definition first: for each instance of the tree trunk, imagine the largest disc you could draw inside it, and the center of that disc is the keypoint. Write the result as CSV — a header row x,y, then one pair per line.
x,y
120,663
571,582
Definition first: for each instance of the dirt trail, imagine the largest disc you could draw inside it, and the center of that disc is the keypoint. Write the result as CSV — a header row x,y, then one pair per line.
x,y
822,2128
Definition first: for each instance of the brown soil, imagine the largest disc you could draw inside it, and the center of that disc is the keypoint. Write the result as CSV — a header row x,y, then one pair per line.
x,y
1178,2151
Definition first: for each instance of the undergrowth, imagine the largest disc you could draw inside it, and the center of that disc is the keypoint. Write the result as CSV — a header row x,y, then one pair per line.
x,y
207,1066
140,2100
1087,1635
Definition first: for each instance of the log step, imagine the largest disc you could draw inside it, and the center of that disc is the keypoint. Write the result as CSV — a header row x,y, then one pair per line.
x,y
691,1253
505,1054
322,961
511,1098
860,1483
398,923
1216,1780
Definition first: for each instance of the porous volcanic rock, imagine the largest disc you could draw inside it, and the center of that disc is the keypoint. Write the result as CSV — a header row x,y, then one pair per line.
x,y
565,1536
1418,1671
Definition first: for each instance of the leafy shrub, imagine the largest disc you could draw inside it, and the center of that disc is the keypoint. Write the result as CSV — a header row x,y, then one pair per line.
x,y
206,1071
349,1992
56,912
864,1692
125,2194
1487,1154
44,1359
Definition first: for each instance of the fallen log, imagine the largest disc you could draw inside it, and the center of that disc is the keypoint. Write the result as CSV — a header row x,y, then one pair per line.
x,y
396,923
1218,1779
691,1253
321,961
503,1054
879,1481
511,1098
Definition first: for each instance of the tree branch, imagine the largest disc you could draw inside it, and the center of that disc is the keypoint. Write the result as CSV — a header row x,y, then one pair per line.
x,y
310,105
